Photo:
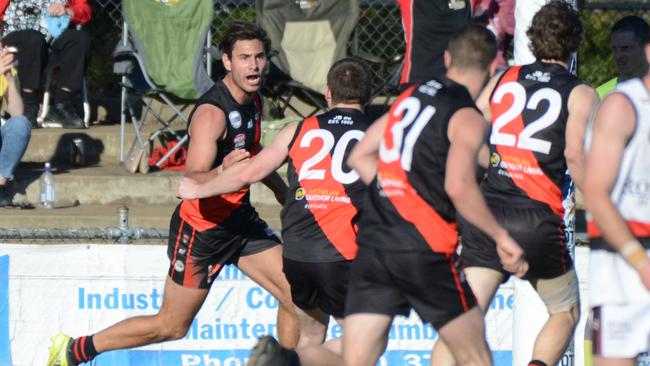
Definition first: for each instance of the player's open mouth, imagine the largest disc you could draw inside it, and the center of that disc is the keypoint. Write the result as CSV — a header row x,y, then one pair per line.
x,y
253,79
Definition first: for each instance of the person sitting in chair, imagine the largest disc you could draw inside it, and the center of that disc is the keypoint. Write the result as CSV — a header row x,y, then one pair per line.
x,y
69,51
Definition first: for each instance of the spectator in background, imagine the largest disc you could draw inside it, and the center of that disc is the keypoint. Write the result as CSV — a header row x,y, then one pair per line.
x,y
70,52
628,38
499,17
16,131
428,25
525,10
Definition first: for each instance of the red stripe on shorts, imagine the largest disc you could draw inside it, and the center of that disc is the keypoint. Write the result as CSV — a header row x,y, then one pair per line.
x,y
461,292
189,280
178,241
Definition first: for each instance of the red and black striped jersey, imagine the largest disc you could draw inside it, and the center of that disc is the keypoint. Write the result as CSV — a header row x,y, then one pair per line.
x,y
243,131
406,207
527,139
319,218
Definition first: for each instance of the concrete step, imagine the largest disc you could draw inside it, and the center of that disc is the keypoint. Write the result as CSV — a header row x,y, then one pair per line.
x,y
110,184
102,142
103,216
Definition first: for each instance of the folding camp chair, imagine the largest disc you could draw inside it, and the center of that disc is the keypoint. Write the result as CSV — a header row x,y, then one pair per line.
x,y
164,60
309,36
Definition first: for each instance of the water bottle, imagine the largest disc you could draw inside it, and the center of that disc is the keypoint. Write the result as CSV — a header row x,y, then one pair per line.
x,y
48,194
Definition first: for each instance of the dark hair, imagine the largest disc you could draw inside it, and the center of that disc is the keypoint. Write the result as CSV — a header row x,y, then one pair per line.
x,y
472,47
239,30
349,81
556,31
635,25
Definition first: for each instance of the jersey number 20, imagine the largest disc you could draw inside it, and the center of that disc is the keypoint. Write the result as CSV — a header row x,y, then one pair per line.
x,y
306,171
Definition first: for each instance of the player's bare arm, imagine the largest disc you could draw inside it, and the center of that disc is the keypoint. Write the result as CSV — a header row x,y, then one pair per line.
x,y
582,101
483,104
363,157
483,158
483,100
208,125
273,180
243,173
466,133
614,124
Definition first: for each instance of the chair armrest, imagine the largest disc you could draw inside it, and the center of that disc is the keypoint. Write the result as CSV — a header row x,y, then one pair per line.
x,y
123,50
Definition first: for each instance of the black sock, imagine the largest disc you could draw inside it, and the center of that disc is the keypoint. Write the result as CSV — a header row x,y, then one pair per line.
x,y
291,356
63,96
82,349
537,363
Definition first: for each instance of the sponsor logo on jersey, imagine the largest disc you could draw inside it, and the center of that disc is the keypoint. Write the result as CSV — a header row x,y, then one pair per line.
x,y
300,194
250,124
542,77
639,189
456,4
186,238
239,140
235,119
495,159
340,120
430,88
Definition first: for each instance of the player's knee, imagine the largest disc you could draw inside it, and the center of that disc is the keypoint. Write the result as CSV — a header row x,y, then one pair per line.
x,y
283,295
173,332
570,316
168,329
476,357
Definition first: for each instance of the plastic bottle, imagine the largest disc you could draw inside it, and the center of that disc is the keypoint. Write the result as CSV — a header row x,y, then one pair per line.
x,y
48,193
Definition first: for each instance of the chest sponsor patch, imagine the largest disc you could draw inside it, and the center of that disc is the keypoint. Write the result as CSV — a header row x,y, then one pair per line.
x,y
239,140
235,119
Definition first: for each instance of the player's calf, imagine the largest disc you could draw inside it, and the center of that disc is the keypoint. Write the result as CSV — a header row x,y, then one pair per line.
x,y
465,337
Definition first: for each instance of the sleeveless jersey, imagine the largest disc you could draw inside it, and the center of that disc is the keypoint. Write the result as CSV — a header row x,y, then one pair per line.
x,y
406,206
631,192
319,218
243,131
527,139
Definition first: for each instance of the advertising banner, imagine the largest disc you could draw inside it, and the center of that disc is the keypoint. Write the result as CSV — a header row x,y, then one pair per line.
x,y
80,289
